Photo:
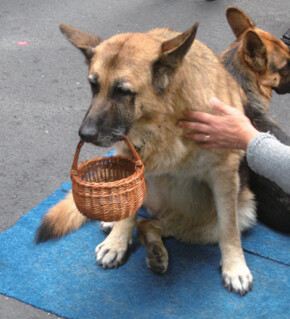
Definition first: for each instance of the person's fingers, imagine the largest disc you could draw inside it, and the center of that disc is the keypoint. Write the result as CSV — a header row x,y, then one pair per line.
x,y
199,116
206,142
200,138
209,145
194,126
220,106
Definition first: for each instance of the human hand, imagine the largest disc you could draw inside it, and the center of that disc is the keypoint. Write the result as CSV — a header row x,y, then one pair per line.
x,y
232,129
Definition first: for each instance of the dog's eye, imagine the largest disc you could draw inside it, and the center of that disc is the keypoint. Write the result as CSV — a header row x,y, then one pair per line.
x,y
120,90
284,72
123,91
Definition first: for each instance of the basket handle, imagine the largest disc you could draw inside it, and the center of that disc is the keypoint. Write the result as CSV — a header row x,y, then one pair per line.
x,y
136,156
74,168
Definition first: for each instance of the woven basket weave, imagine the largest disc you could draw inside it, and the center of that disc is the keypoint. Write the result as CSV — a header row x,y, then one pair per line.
x,y
108,188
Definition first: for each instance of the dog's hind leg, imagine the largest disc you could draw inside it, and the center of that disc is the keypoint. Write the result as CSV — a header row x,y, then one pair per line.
x,y
112,252
150,235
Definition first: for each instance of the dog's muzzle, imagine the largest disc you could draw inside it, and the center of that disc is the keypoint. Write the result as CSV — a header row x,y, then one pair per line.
x,y
88,131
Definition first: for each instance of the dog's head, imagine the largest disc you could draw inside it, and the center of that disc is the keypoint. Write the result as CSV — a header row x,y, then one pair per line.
x,y
265,54
126,73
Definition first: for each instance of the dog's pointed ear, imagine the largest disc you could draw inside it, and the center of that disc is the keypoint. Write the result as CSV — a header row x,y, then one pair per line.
x,y
171,56
82,40
255,51
238,21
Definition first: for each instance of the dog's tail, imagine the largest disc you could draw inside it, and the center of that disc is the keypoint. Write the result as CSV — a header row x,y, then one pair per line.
x,y
60,220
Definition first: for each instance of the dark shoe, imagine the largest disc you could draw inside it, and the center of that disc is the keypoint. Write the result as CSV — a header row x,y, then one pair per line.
x,y
286,37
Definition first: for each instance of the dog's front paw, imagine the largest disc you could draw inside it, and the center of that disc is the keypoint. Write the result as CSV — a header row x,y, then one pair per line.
x,y
238,278
157,257
111,254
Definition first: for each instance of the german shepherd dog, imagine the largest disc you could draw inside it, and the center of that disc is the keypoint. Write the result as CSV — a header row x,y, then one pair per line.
x,y
142,83
261,63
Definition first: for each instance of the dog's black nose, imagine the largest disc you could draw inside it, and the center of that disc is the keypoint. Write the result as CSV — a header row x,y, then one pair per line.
x,y
286,37
88,130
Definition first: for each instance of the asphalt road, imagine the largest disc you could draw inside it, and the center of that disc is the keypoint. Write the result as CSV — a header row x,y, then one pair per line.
x,y
44,92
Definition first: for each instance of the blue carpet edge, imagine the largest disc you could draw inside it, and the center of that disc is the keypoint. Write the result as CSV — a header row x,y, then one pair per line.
x,y
63,189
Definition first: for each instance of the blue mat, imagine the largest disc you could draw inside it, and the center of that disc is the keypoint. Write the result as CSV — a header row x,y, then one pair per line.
x,y
62,276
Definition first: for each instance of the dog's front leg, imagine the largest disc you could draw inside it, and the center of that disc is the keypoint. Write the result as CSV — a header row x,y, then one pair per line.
x,y
111,253
236,275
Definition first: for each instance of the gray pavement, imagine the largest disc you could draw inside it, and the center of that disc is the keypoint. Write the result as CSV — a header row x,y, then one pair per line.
x,y
44,92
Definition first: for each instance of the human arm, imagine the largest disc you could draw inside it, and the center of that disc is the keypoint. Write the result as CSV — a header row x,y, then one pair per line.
x,y
270,158
231,129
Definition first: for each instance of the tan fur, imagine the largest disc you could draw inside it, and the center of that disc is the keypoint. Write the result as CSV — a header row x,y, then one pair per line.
x,y
194,194
65,217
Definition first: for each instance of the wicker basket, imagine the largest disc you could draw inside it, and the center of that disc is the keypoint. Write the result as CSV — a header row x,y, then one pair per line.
x,y
108,188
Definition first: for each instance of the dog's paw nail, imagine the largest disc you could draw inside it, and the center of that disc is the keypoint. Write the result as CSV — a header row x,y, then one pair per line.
x,y
239,283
